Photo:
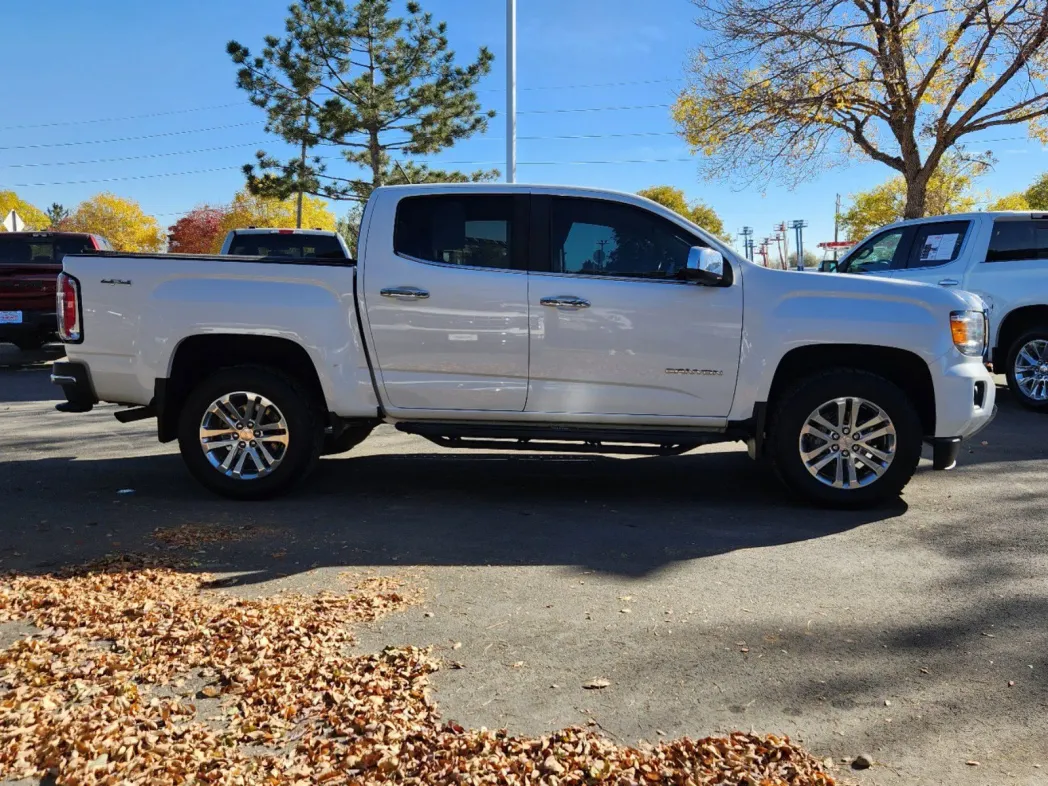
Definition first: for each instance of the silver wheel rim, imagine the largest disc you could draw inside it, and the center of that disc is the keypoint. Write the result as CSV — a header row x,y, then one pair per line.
x,y
1031,369
847,443
244,435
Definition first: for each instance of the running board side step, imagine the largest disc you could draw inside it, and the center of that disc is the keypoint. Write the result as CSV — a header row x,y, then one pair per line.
x,y
563,439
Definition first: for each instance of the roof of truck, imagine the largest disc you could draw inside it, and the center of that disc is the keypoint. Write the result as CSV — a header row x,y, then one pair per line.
x,y
281,231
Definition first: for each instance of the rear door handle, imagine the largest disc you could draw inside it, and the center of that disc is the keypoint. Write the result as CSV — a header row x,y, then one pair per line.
x,y
949,282
565,301
404,293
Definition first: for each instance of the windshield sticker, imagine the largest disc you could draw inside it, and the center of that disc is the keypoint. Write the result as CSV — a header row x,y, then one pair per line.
x,y
938,248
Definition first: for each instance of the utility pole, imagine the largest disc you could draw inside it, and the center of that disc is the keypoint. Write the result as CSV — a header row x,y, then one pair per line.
x,y
747,241
511,91
798,227
836,224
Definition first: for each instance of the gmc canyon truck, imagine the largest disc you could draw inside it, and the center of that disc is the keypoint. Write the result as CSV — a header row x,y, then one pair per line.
x,y
512,317
1002,258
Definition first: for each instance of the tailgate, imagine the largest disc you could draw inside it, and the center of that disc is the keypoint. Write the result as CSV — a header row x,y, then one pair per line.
x,y
28,287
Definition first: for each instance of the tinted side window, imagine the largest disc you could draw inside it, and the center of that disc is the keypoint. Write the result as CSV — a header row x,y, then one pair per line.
x,y
937,244
1015,240
474,230
877,253
601,238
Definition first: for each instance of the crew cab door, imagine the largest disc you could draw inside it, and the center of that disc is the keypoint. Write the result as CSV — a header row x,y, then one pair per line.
x,y
445,300
614,332
935,253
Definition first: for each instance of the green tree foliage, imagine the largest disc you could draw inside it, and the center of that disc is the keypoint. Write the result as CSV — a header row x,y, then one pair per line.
x,y
376,86
696,211
781,89
349,226
57,214
949,191
1037,194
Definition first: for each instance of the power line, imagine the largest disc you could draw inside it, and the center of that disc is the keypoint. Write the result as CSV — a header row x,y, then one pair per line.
x,y
131,138
131,158
593,109
583,87
126,117
128,177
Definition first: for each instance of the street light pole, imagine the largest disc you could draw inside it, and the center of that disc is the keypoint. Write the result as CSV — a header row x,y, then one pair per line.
x,y
799,226
511,91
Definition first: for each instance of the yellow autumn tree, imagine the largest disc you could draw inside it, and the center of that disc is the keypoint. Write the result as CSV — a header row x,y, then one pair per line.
x,y
1016,201
120,221
782,89
248,210
696,211
949,191
34,218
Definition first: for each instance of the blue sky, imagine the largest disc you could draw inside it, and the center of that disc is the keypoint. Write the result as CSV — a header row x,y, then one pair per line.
x,y
116,60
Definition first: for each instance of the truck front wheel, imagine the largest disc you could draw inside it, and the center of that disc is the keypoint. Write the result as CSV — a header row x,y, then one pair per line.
x,y
845,438
249,433
1027,369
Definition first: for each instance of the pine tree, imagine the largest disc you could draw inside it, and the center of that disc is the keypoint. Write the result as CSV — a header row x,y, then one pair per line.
x,y
377,87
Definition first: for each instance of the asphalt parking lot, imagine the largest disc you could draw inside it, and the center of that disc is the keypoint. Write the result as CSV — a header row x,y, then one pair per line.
x,y
916,633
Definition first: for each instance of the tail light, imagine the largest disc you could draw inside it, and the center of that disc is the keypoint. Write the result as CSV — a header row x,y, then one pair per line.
x,y
69,309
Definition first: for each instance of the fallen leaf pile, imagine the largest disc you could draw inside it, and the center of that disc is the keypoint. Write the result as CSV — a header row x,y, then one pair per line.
x,y
190,535
140,674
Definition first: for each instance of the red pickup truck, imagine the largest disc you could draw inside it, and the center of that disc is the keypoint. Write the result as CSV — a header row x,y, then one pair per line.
x,y
29,266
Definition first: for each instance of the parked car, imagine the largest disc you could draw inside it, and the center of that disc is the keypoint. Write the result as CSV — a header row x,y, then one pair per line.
x,y
293,243
29,265
526,318
1002,258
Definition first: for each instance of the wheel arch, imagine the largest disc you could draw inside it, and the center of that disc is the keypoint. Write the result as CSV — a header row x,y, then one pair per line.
x,y
1014,324
905,369
197,357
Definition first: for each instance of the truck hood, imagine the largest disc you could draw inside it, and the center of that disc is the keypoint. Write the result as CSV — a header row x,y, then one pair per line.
x,y
788,282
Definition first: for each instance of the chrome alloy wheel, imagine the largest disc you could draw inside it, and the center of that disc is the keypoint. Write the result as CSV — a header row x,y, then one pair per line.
x,y
244,435
1031,369
847,443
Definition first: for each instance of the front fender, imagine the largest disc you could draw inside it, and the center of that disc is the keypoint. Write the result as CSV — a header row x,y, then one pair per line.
x,y
786,310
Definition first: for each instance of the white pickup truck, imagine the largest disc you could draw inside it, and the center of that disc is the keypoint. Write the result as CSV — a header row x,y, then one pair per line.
x,y
525,318
1002,258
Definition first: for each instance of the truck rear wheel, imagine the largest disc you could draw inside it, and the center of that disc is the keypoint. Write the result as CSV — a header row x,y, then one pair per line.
x,y
845,438
1027,369
249,433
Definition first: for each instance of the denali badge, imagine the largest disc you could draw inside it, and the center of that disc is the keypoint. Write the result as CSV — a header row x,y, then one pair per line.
x,y
702,372
114,281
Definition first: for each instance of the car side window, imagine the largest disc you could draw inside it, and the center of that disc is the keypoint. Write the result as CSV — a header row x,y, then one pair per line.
x,y
875,254
1015,240
937,243
474,230
604,238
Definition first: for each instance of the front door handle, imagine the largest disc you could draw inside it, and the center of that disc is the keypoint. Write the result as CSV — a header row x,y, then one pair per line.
x,y
565,301
404,293
949,282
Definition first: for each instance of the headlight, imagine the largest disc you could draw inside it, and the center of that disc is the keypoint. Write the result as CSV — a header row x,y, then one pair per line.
x,y
969,332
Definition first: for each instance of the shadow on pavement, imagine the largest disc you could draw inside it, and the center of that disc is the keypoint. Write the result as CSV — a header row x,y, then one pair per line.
x,y
626,517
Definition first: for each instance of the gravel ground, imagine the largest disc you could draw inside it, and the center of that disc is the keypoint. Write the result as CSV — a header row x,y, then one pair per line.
x,y
916,633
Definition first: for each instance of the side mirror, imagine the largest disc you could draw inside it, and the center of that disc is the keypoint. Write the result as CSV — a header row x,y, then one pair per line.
x,y
828,266
705,266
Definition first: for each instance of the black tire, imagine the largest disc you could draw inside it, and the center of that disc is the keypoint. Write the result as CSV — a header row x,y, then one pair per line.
x,y
350,437
1034,334
791,412
303,427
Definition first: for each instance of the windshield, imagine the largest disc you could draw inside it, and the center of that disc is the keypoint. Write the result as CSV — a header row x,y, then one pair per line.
x,y
297,246
874,255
